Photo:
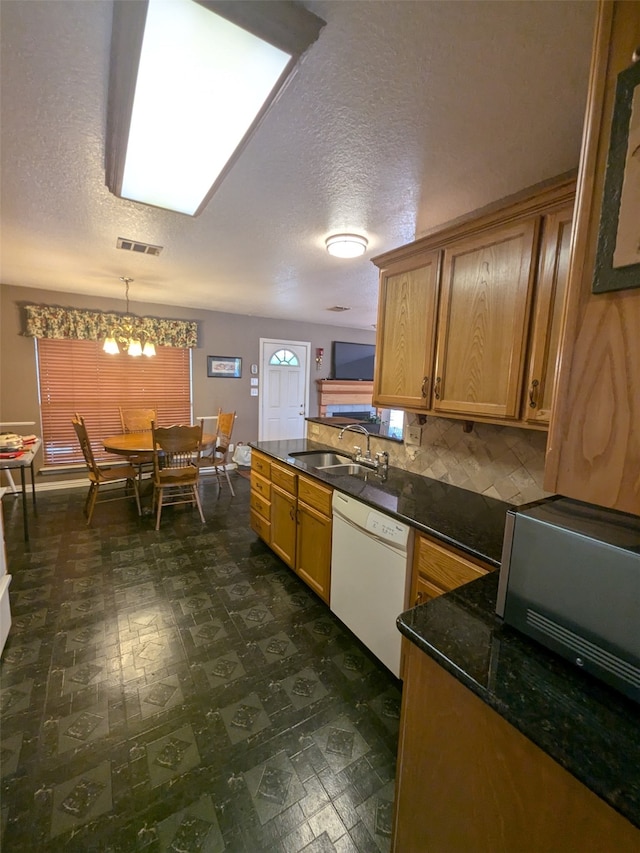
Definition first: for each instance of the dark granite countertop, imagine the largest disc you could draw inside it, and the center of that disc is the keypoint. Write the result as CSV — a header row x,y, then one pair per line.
x,y
467,520
590,729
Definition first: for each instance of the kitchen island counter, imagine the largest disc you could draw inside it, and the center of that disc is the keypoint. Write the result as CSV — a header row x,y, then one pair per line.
x,y
588,728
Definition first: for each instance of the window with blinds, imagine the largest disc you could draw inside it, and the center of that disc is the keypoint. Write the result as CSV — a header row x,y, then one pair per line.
x,y
78,376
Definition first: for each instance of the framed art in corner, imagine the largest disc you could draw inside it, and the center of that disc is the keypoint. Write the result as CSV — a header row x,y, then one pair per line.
x,y
224,366
617,264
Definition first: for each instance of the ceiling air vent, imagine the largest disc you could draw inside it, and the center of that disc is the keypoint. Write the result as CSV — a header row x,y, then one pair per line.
x,y
136,246
340,308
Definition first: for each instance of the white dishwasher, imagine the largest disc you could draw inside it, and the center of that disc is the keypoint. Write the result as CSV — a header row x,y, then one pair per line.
x,y
370,555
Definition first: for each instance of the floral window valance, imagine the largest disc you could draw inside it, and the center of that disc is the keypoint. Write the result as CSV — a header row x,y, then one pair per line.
x,y
47,321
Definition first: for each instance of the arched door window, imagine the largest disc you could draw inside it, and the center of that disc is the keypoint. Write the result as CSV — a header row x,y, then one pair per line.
x,y
284,358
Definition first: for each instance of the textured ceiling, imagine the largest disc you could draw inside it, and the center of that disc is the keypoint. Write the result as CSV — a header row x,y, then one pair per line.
x,y
402,116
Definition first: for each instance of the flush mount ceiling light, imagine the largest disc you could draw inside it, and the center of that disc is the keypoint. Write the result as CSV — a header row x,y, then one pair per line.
x,y
125,333
189,84
346,245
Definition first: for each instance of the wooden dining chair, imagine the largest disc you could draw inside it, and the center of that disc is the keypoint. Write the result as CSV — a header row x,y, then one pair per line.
x,y
139,420
176,466
100,475
220,451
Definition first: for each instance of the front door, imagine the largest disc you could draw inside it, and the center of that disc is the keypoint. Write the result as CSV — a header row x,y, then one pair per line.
x,y
284,400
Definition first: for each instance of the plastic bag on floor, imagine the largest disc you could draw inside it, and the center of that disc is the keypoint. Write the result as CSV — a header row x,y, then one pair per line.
x,y
242,455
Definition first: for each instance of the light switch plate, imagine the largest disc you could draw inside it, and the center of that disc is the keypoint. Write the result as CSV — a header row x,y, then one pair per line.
x,y
413,435
254,392
254,380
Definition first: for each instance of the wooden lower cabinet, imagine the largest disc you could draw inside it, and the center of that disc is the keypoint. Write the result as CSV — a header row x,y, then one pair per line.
x,y
469,782
283,524
438,569
292,514
260,498
313,543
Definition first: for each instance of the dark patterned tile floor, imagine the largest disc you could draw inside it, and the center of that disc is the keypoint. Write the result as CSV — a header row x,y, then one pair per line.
x,y
182,690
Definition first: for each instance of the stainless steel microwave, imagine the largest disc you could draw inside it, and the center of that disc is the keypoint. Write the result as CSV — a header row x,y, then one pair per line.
x,y
570,578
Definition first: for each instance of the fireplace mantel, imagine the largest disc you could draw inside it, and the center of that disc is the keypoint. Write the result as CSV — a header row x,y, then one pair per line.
x,y
343,392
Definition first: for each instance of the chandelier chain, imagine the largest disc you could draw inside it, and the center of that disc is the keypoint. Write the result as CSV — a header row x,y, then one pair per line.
x,y
127,282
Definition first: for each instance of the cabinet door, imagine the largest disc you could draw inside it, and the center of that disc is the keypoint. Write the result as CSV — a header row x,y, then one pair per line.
x,y
260,505
261,526
283,525
285,477
406,333
261,464
423,591
469,782
260,485
314,549
485,302
315,494
547,315
438,569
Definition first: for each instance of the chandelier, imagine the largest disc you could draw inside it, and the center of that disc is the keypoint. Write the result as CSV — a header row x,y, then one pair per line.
x,y
125,334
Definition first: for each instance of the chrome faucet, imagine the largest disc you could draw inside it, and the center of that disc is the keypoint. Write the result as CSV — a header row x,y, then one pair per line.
x,y
380,464
358,428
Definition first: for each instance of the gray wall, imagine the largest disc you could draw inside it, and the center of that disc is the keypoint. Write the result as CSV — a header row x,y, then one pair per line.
x,y
218,334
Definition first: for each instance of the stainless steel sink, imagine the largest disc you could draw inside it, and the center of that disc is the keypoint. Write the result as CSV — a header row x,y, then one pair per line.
x,y
344,468
320,459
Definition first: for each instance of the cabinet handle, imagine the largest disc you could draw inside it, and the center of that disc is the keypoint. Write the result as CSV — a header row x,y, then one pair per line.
x,y
292,514
436,388
533,394
425,384
419,598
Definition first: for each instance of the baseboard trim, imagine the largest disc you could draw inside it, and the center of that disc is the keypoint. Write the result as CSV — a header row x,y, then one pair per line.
x,y
44,486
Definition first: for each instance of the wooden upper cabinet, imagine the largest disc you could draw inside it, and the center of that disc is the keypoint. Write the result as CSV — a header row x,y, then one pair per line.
x,y
469,315
406,333
487,285
547,315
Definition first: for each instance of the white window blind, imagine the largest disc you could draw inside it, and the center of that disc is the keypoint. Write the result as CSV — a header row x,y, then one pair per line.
x,y
78,376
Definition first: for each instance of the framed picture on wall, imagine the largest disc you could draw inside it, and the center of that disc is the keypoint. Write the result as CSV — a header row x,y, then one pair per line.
x,y
617,264
224,366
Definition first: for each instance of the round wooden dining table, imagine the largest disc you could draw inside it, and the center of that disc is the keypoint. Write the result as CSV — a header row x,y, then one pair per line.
x,y
131,443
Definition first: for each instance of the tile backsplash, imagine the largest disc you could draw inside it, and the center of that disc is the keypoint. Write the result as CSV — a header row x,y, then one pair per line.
x,y
498,461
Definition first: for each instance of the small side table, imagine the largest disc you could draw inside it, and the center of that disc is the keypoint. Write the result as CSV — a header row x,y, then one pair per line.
x,y
25,460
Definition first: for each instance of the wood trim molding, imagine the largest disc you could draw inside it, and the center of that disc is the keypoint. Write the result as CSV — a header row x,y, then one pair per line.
x,y
341,392
539,199
593,452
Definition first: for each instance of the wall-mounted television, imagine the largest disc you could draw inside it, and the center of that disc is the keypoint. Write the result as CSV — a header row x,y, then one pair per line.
x,y
353,361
